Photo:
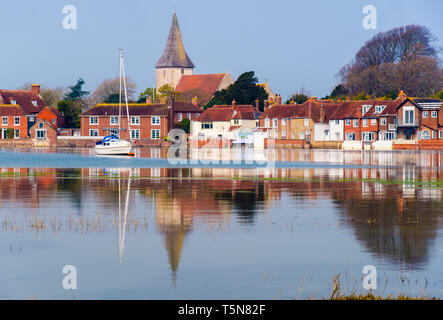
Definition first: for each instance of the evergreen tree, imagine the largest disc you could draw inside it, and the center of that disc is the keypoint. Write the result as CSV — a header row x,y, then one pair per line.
x,y
243,91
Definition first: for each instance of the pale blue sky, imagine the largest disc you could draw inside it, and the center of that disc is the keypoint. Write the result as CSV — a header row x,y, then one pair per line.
x,y
291,43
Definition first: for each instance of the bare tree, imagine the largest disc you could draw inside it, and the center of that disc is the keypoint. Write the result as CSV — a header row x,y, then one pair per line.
x,y
111,87
382,64
52,96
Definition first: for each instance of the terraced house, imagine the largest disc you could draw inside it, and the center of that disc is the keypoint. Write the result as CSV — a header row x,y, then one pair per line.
x,y
291,121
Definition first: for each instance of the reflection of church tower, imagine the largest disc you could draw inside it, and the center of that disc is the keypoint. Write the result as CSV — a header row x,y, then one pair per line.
x,y
174,240
174,62
174,225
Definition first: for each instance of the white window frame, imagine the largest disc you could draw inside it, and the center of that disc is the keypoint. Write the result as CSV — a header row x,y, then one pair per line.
x,y
135,133
383,121
283,122
275,123
4,123
135,121
16,123
155,134
155,120
350,134
365,122
306,122
424,114
433,114
283,134
42,131
93,120
427,137
267,122
189,116
355,123
91,131
301,135
373,122
348,122
407,110
114,120
16,133
179,116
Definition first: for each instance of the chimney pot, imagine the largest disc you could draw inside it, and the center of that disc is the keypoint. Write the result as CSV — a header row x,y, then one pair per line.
x,y
35,89
195,101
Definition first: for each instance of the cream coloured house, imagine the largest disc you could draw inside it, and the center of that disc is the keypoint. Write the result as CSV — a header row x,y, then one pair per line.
x,y
224,122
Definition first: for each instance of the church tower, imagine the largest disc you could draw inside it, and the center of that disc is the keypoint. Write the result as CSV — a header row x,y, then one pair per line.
x,y
174,62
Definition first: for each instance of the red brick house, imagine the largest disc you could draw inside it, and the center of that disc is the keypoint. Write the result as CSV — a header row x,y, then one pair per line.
x,y
13,117
29,101
43,133
53,116
419,118
147,121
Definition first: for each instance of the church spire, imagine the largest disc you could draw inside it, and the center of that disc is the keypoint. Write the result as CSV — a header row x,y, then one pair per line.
x,y
174,55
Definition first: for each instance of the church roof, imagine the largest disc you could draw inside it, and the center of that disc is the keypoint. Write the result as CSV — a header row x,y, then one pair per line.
x,y
174,54
208,83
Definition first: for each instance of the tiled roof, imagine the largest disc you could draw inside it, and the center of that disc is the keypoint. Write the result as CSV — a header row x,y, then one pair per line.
x,y
426,100
174,54
226,113
11,110
180,106
135,109
23,98
346,110
328,109
309,109
208,83
57,113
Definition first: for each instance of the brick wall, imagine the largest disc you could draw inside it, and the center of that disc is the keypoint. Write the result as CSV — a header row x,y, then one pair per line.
x,y
23,126
145,126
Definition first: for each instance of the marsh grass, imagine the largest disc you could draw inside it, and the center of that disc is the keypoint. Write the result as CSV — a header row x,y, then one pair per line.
x,y
99,223
338,293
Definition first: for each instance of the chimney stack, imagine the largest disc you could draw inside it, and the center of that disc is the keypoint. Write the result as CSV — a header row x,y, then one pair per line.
x,y
277,99
149,100
35,89
401,95
195,101
233,104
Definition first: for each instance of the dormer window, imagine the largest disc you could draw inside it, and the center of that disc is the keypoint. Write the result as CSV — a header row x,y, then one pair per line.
x,y
365,108
35,103
13,101
379,109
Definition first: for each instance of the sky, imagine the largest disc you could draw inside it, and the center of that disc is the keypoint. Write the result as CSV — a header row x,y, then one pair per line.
x,y
293,44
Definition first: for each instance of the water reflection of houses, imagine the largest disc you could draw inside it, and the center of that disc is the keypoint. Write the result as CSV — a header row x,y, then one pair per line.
x,y
394,209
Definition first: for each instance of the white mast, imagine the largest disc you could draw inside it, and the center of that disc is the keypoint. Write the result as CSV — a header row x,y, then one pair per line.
x,y
120,97
126,92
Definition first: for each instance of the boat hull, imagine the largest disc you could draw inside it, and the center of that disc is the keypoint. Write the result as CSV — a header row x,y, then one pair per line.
x,y
114,149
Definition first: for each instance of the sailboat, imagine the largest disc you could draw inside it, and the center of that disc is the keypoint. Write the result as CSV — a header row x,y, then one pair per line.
x,y
113,144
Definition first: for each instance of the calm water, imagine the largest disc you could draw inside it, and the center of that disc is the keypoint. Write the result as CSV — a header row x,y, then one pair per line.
x,y
143,228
